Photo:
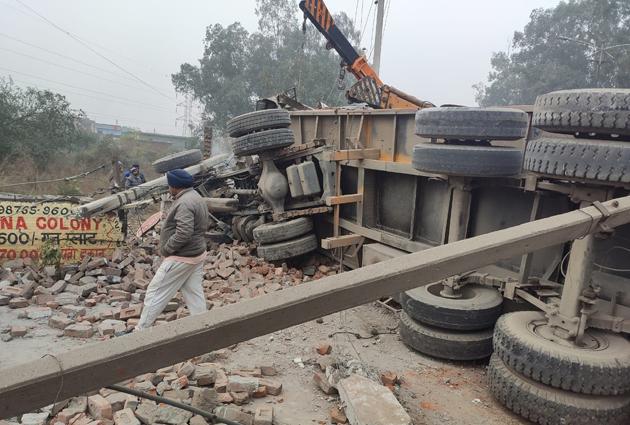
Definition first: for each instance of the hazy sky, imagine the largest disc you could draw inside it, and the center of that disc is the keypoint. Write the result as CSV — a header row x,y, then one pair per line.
x,y
434,50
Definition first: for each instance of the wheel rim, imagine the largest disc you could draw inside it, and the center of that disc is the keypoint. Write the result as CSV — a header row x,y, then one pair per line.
x,y
589,342
444,291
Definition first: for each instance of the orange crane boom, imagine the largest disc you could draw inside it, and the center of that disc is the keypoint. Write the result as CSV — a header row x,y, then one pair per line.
x,y
369,88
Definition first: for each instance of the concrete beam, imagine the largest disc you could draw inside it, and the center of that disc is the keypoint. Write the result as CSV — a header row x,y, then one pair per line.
x,y
40,382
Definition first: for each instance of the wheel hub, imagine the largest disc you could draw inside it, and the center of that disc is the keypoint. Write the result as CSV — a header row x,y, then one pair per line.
x,y
449,292
588,342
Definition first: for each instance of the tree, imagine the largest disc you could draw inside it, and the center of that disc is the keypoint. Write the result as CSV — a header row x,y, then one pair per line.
x,y
37,124
238,68
562,48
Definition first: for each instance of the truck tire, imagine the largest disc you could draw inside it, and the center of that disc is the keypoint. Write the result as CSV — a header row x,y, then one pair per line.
x,y
277,232
550,406
266,119
445,343
599,111
464,160
600,369
288,249
177,160
255,143
464,123
601,160
478,308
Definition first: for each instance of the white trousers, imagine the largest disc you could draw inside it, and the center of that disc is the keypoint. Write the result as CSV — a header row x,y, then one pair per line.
x,y
170,277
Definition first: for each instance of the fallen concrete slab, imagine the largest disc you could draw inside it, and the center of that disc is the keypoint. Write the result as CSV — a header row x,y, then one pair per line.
x,y
368,403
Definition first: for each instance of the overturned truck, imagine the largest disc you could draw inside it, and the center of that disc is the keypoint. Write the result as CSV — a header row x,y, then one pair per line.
x,y
515,218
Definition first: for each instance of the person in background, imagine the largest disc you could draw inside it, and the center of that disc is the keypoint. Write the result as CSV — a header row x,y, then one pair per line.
x,y
135,177
117,182
183,246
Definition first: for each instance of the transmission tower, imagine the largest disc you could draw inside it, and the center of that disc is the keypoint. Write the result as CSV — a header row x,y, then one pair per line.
x,y
186,117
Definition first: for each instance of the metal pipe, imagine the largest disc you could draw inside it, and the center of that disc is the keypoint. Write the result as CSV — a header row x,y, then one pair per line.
x,y
117,200
214,418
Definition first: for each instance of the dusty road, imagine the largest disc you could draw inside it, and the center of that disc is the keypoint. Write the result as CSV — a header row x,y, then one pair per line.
x,y
432,391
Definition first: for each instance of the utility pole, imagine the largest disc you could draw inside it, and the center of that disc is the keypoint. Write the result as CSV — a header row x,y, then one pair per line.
x,y
378,37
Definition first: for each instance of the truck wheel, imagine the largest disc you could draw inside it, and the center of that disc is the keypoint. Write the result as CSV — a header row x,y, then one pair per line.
x,y
579,158
277,232
255,143
266,119
445,343
550,406
599,111
465,123
288,249
526,344
463,160
478,308
177,160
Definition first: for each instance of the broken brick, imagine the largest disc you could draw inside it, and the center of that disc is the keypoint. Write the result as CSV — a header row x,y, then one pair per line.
x,y
59,322
221,381
79,331
263,415
240,397
273,387
99,407
389,378
323,384
224,398
238,383
268,371
234,414
185,369
324,348
133,311
337,416
18,302
18,331
125,417
260,392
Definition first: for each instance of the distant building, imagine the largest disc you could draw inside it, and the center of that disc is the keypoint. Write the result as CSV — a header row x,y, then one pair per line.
x,y
157,140
113,130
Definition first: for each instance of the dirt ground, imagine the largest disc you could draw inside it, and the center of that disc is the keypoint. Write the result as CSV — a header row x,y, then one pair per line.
x,y
433,392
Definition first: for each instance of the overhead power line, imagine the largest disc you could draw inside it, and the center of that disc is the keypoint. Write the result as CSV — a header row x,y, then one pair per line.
x,y
71,69
367,20
61,55
90,48
66,91
83,88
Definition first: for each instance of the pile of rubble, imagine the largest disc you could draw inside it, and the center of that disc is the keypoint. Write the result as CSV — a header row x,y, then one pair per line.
x,y
201,383
205,384
103,297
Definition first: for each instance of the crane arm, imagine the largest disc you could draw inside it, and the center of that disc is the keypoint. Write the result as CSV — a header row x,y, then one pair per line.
x,y
369,88
317,12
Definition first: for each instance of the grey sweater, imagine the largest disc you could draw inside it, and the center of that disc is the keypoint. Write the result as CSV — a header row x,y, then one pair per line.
x,y
183,230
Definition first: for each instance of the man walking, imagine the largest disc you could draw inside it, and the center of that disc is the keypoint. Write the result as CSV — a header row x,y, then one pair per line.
x,y
183,245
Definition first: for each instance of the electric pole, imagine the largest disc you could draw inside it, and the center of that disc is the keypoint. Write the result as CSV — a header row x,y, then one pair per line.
x,y
378,37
